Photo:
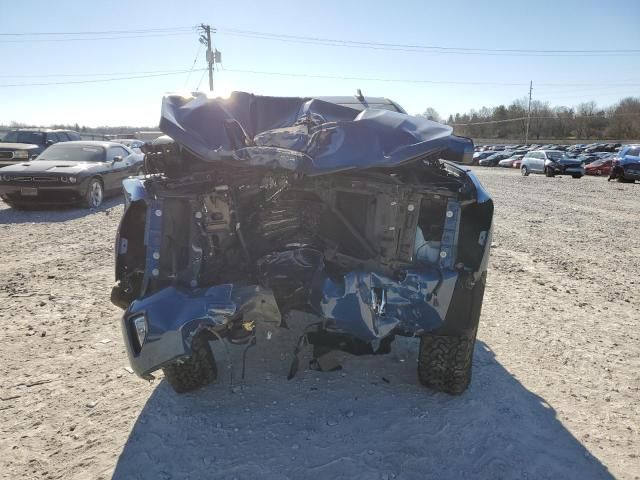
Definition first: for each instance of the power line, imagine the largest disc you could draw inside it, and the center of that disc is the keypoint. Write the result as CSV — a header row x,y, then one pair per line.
x,y
292,74
317,39
204,71
586,95
625,83
101,74
100,80
405,80
193,65
373,79
160,73
103,32
90,39
424,48
333,42
555,91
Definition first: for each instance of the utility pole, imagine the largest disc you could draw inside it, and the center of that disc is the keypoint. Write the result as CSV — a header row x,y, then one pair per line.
x,y
526,133
205,39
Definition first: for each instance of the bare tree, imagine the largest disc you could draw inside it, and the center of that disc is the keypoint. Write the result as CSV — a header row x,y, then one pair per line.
x,y
431,114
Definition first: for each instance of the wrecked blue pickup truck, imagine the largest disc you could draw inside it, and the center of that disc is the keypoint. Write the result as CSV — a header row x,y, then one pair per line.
x,y
345,207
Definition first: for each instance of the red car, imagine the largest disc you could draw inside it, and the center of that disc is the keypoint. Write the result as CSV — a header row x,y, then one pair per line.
x,y
599,167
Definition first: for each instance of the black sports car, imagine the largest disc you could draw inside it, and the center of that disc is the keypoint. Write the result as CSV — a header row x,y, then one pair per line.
x,y
71,172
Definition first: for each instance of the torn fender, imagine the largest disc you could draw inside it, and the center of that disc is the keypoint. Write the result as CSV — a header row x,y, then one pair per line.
x,y
174,316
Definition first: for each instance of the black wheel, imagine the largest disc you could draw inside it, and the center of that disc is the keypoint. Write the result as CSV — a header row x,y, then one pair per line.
x,y
195,371
577,176
548,172
95,194
624,180
444,362
524,170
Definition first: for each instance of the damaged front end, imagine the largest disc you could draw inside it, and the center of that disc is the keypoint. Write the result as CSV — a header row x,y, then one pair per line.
x,y
266,205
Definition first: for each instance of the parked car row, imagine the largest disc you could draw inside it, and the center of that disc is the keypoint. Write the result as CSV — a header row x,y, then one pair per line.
x,y
620,162
575,148
66,171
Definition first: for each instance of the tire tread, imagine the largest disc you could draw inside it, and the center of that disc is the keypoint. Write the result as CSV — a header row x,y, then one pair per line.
x,y
444,363
195,371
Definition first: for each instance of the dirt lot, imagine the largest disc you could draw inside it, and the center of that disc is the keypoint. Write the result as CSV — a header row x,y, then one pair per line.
x,y
555,394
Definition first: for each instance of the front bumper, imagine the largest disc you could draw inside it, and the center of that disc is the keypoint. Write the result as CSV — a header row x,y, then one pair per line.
x,y
567,169
52,194
174,316
366,305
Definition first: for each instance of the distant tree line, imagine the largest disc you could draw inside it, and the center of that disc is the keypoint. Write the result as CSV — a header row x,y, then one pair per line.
x,y
583,121
82,129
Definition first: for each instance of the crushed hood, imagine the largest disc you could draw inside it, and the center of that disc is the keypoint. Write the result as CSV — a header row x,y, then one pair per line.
x,y
306,135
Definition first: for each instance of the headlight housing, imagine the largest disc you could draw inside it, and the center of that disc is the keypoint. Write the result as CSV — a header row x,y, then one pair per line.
x,y
140,329
68,179
20,154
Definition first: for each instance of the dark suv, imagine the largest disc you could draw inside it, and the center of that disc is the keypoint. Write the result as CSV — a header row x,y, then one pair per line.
x,y
23,144
352,211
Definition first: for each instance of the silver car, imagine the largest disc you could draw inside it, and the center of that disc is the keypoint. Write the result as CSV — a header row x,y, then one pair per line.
x,y
551,163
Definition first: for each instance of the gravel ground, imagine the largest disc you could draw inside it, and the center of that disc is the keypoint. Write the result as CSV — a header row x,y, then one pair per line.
x,y
555,393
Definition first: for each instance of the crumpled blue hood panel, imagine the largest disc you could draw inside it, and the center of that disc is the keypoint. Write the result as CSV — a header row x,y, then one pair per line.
x,y
305,135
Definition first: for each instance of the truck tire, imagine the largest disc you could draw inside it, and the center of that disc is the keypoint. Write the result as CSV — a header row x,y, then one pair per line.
x,y
444,362
195,371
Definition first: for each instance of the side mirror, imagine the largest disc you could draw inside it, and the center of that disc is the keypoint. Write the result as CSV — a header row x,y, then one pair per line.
x,y
48,143
34,156
117,159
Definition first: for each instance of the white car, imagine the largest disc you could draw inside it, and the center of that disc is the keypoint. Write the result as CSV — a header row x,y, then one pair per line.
x,y
551,163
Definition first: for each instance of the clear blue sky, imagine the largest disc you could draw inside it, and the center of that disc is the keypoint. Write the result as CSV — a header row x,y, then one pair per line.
x,y
500,24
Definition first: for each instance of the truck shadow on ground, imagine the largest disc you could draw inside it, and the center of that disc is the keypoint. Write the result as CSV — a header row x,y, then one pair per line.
x,y
49,214
371,420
